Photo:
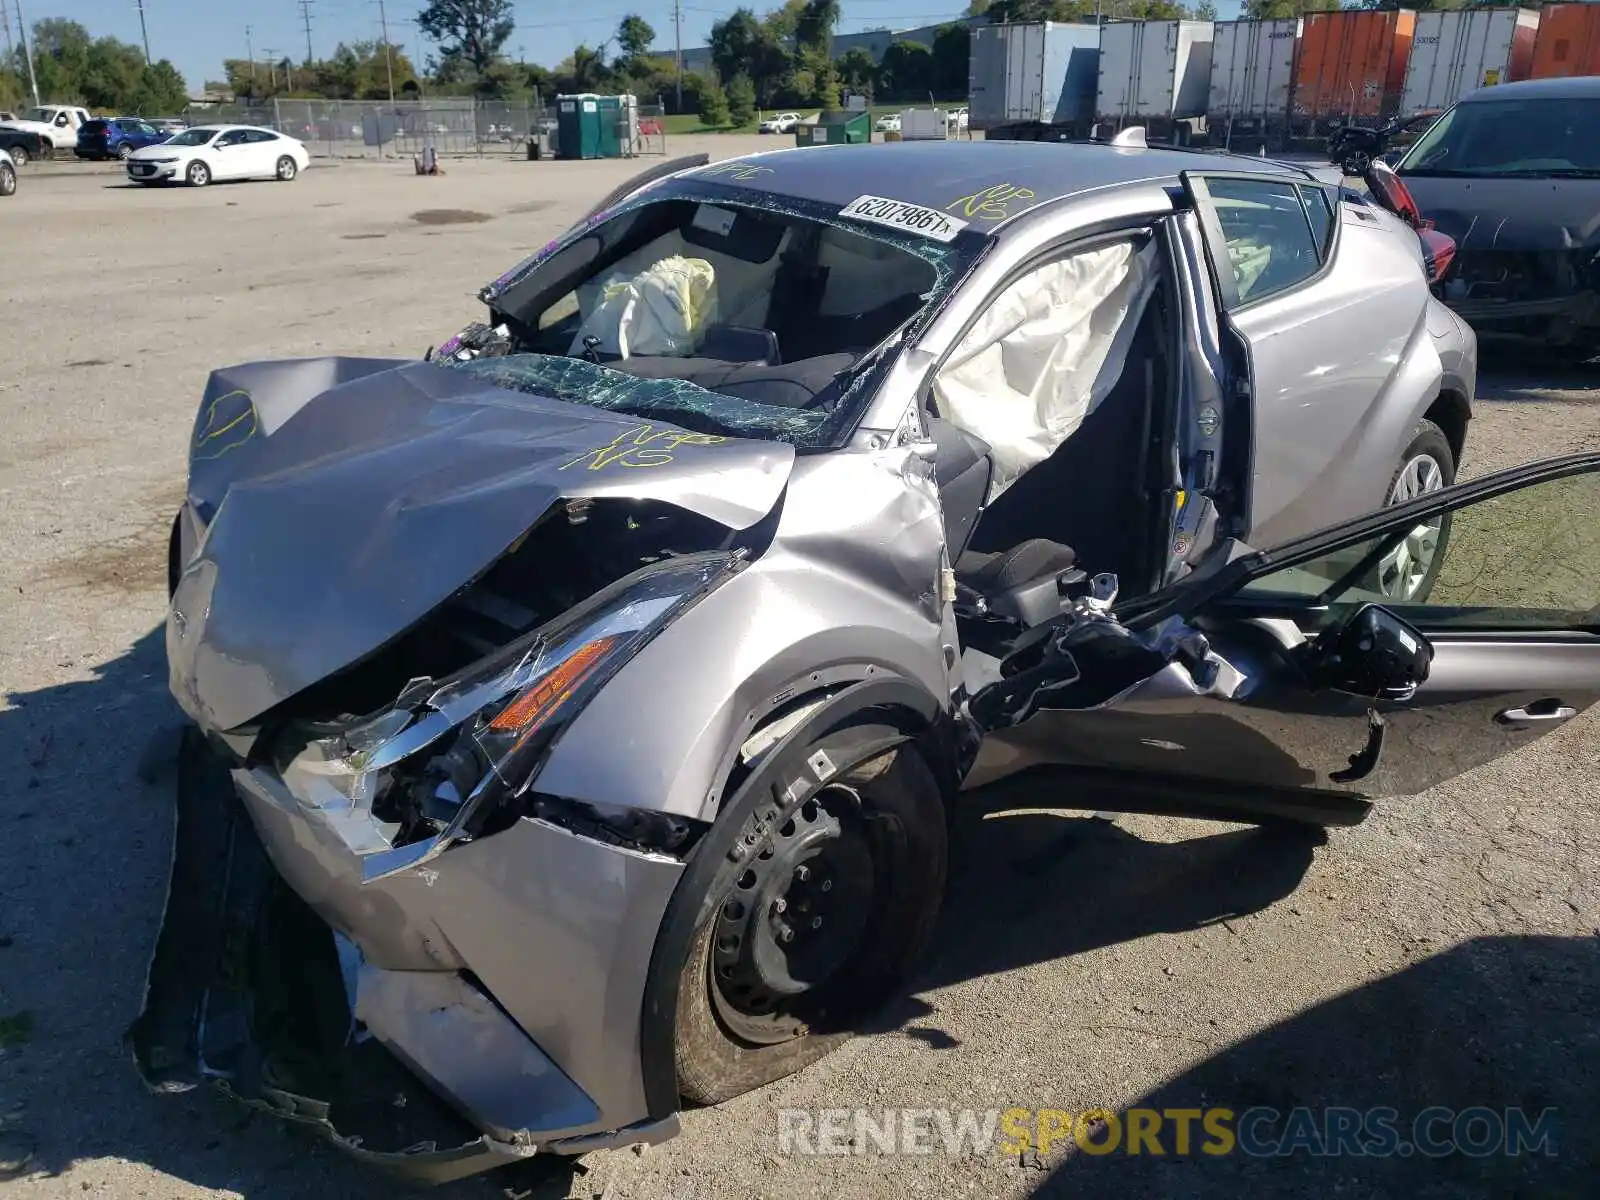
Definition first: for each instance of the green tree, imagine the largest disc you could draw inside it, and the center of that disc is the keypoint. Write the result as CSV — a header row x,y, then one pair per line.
x,y
856,70
952,47
714,105
634,37
814,26
781,22
742,45
101,73
741,100
906,72
468,32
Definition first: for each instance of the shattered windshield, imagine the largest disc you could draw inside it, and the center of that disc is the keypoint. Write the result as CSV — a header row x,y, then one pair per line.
x,y
723,310
676,400
1546,138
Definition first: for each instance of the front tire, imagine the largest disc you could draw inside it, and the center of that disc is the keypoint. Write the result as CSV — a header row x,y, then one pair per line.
x,y
8,180
1427,465
816,914
197,174
287,169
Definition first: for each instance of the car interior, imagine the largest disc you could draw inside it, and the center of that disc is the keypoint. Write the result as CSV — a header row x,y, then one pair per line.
x,y
786,305
781,308
1091,506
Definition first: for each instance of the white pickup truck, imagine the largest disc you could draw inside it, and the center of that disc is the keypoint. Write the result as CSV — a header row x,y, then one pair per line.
x,y
57,124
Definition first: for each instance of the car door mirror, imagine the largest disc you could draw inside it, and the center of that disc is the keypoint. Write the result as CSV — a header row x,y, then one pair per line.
x,y
1372,654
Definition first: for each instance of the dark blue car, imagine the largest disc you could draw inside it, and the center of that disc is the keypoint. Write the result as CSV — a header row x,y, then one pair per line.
x,y
116,137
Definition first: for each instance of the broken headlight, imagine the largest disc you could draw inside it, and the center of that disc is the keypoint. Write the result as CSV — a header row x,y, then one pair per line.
x,y
431,769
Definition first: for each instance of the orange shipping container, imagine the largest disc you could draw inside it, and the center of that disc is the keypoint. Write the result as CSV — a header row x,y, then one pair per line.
x,y
1352,64
1568,42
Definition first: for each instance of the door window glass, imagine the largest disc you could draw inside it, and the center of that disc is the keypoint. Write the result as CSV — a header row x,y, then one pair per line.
x,y
1268,236
1526,560
1319,211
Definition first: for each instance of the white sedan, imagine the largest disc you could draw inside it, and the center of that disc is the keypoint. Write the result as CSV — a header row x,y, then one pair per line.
x,y
888,123
780,123
207,152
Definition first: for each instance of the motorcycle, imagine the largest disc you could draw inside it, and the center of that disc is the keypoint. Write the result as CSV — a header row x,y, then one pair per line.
x,y
1354,147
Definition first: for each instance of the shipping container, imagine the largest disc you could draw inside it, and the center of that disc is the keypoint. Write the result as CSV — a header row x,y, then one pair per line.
x,y
1038,74
1568,41
1252,74
1154,71
1352,65
1458,52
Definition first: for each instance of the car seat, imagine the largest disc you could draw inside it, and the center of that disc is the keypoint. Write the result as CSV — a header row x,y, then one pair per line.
x,y
1088,502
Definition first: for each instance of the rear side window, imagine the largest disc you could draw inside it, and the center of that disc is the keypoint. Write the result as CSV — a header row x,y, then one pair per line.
x,y
1268,235
1319,212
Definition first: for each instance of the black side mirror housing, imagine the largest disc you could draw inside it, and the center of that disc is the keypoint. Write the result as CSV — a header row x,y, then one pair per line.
x,y
1372,654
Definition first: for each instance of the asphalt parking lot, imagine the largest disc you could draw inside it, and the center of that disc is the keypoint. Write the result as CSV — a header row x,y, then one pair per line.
x,y
1446,952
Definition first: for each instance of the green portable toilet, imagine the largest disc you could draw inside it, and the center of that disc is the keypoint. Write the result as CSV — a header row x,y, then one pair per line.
x,y
836,128
619,125
578,126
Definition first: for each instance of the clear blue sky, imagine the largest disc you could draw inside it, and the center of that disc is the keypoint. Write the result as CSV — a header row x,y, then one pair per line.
x,y
198,34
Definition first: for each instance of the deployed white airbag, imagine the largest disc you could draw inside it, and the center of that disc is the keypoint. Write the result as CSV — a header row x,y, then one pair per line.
x,y
662,310
1045,353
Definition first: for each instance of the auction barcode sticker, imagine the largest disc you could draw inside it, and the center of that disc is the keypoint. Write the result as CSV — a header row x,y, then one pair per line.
x,y
897,214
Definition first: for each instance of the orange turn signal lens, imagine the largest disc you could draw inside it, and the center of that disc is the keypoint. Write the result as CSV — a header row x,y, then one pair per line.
x,y
529,710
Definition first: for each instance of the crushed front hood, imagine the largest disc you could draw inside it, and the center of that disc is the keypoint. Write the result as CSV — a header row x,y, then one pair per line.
x,y
371,503
1511,214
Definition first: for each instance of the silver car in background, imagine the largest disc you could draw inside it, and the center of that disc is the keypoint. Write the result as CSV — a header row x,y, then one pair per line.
x,y
579,713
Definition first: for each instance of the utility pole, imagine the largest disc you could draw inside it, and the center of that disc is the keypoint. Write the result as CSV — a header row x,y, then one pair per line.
x,y
27,52
305,16
388,54
272,66
143,32
677,39
5,19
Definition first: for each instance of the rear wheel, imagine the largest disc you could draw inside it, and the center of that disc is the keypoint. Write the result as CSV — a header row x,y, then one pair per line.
x,y
817,912
1407,572
198,174
19,156
124,151
8,180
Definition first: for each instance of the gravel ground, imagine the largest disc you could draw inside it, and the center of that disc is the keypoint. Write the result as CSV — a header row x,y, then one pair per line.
x,y
1442,953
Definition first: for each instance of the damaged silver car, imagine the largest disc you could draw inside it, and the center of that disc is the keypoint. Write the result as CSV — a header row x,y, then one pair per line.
x,y
579,712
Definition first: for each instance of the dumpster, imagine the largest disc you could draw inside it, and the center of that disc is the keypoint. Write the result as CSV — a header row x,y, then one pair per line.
x,y
579,126
835,128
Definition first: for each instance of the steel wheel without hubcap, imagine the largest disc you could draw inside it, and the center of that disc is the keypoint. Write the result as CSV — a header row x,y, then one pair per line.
x,y
1405,569
801,915
793,919
286,168
198,174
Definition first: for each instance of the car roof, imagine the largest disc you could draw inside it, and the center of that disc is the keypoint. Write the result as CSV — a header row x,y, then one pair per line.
x,y
1575,87
939,174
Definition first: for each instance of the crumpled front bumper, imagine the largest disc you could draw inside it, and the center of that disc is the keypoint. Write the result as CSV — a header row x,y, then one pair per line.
x,y
438,1022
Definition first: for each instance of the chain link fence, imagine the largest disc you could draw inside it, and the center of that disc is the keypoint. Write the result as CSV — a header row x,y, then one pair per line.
x,y
452,126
